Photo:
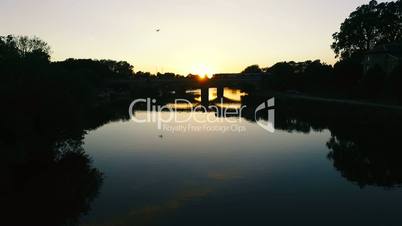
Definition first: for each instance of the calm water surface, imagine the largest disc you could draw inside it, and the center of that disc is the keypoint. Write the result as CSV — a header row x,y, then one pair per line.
x,y
289,177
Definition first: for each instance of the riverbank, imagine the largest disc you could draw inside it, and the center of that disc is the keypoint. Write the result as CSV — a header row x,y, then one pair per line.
x,y
303,97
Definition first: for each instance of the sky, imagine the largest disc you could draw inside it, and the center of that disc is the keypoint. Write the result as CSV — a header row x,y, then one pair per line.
x,y
212,36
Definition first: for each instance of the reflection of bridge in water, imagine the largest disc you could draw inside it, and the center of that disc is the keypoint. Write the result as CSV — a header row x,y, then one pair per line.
x,y
207,99
182,85
223,101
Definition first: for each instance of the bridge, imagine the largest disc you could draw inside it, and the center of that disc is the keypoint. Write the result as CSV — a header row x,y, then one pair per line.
x,y
181,85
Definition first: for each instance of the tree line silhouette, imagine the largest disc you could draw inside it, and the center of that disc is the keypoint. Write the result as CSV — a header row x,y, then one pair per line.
x,y
25,63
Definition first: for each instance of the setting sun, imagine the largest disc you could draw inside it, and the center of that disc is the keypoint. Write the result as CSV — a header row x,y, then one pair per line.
x,y
202,71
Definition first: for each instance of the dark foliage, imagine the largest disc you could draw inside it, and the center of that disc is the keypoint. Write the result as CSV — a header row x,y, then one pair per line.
x,y
308,76
368,26
396,83
253,69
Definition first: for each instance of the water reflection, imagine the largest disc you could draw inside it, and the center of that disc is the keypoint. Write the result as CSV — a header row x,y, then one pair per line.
x,y
216,95
146,177
47,177
55,191
356,149
227,99
363,145
365,157
206,175
364,152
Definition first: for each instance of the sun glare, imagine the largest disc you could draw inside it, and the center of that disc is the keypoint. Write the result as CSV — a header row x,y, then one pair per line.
x,y
203,71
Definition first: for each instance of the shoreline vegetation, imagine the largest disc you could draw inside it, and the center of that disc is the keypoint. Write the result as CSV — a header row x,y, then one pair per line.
x,y
364,74
35,89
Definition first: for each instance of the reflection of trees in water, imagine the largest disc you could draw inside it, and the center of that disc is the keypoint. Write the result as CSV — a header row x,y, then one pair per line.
x,y
47,178
54,188
56,193
367,156
364,144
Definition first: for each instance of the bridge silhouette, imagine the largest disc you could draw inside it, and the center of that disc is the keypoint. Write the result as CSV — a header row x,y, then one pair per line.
x,y
181,85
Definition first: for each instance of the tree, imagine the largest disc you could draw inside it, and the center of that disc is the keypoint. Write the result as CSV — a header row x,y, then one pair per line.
x,y
252,69
8,48
308,76
372,83
120,68
347,74
281,69
23,47
368,26
28,46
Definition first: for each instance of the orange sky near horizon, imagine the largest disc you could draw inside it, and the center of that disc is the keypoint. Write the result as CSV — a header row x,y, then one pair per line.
x,y
208,36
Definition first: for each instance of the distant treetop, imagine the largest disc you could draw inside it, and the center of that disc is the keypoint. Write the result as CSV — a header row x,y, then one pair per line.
x,y
369,25
252,69
23,47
